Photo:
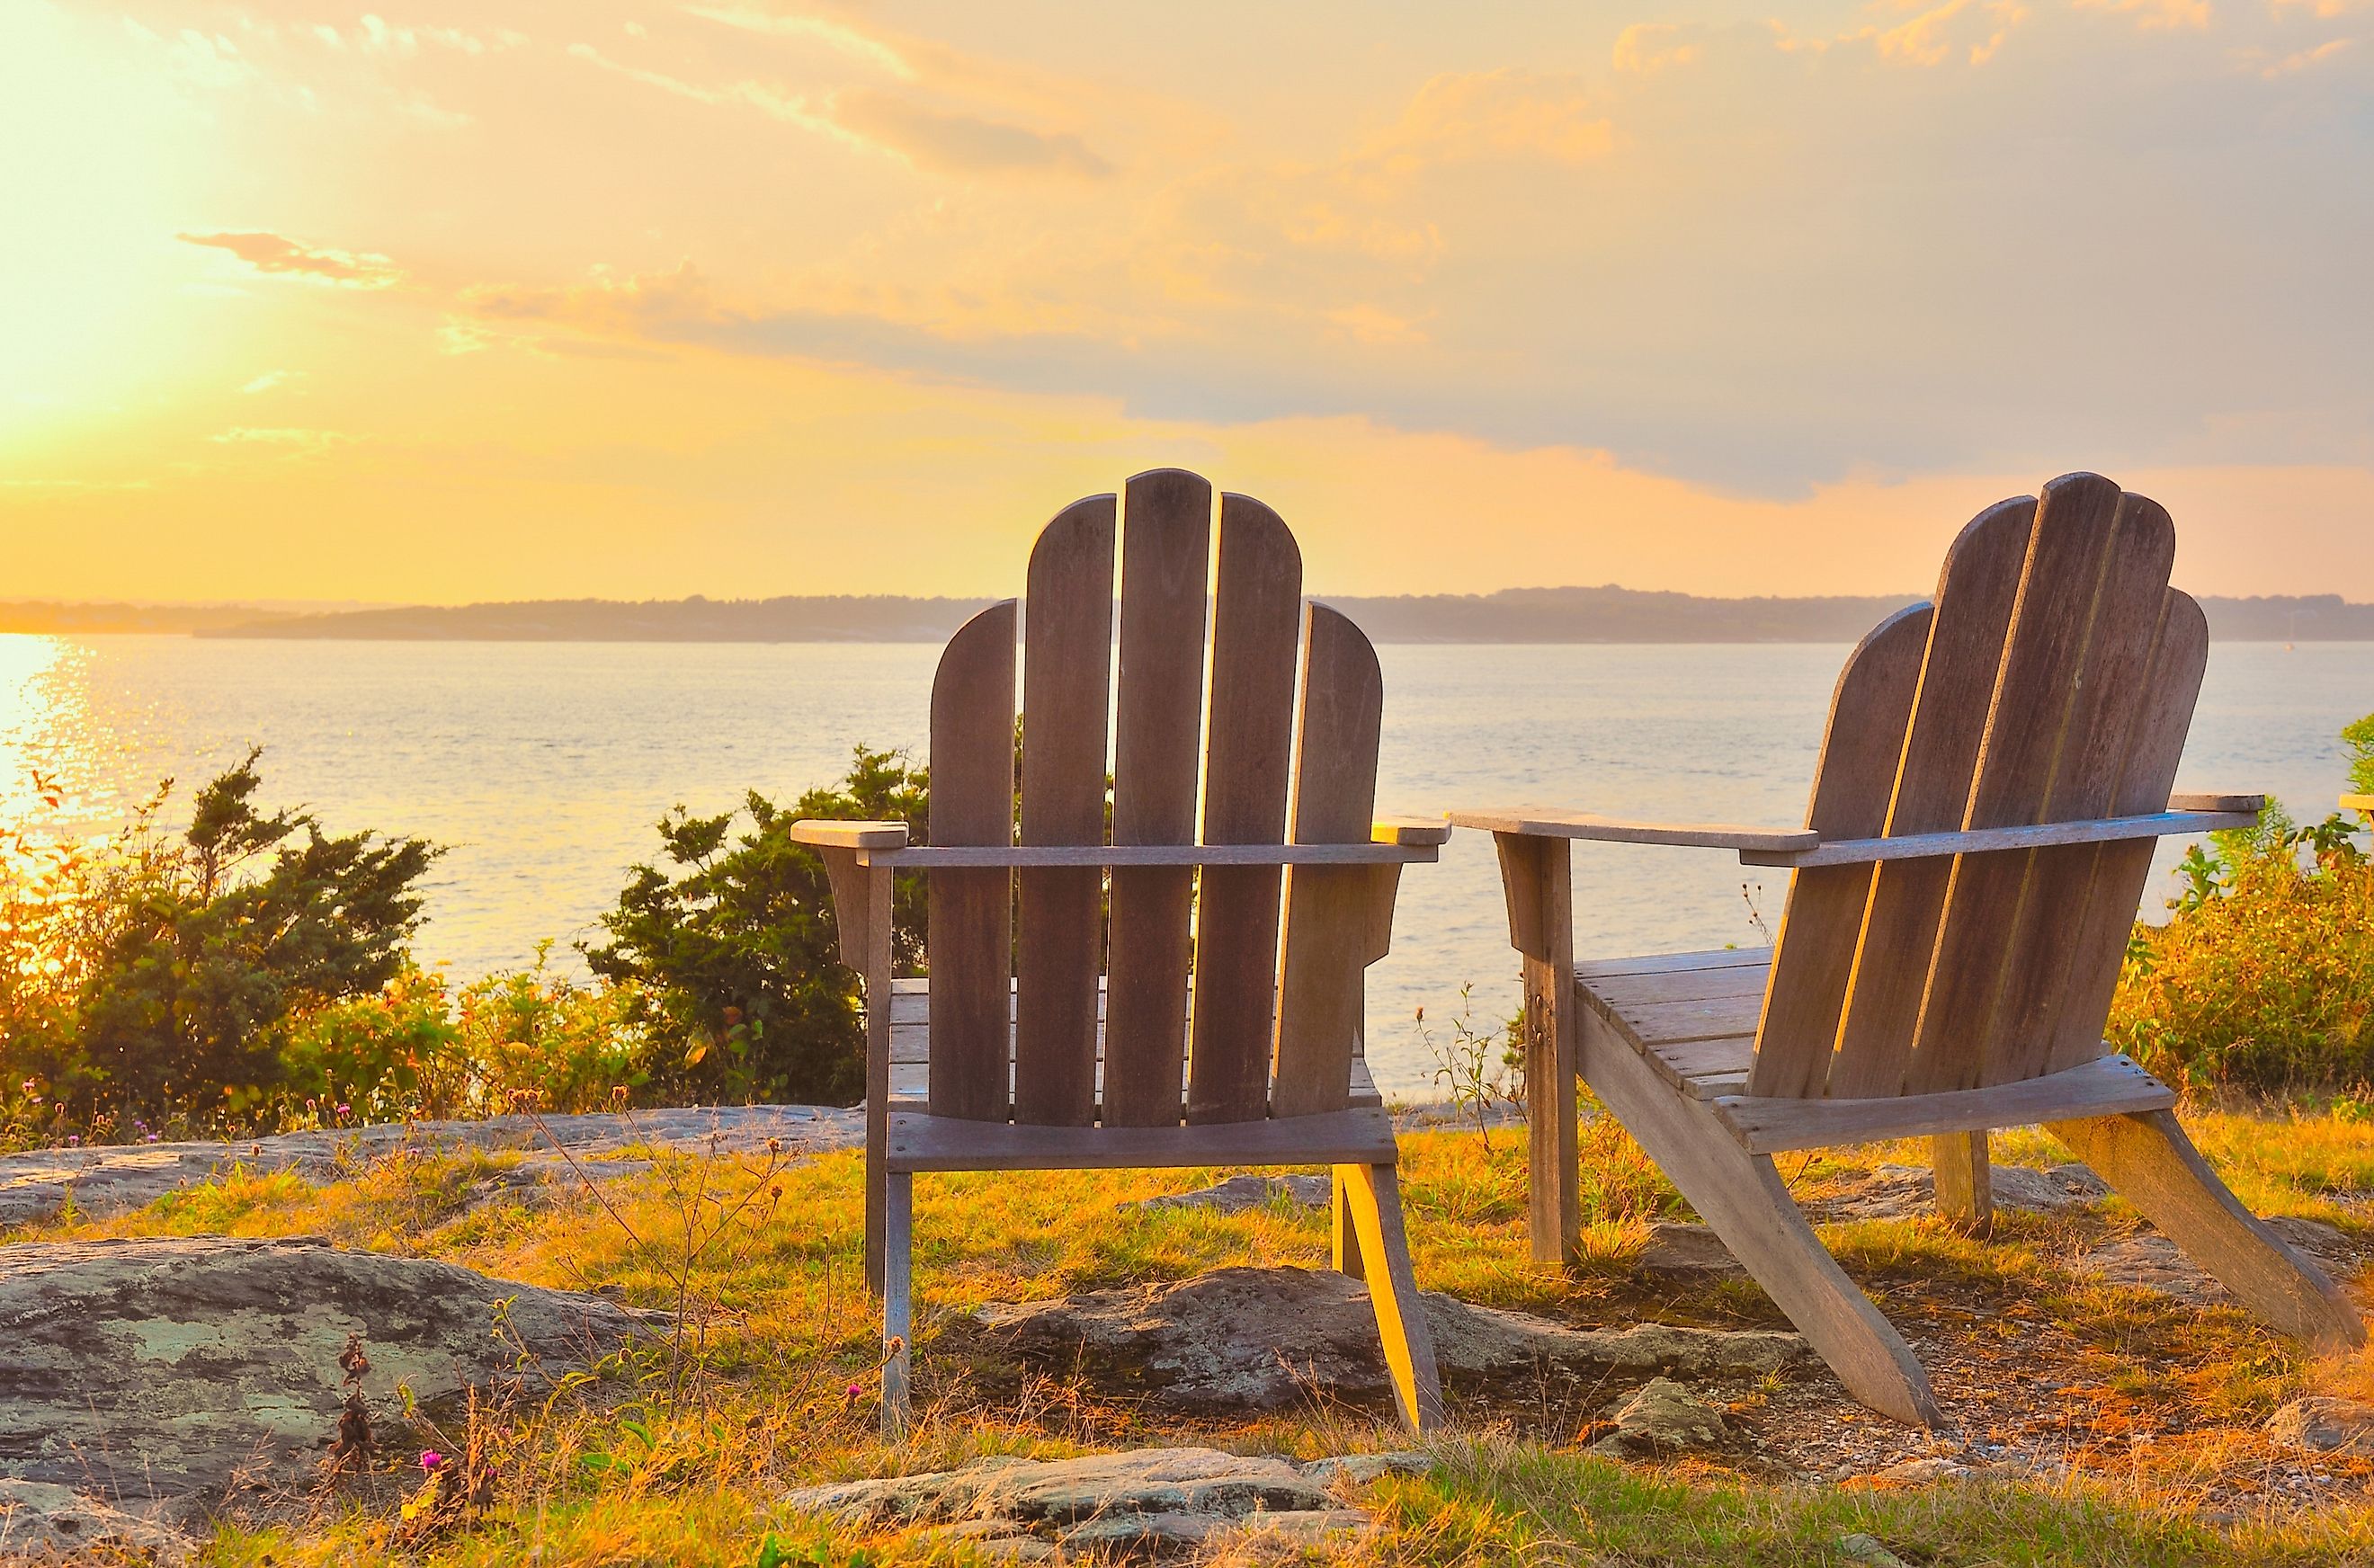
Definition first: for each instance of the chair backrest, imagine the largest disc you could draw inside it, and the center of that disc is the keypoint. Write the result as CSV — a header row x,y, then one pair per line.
x,y
2053,679
1215,1009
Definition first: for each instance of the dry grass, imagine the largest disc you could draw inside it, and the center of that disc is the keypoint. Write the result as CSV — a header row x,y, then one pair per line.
x,y
2154,1406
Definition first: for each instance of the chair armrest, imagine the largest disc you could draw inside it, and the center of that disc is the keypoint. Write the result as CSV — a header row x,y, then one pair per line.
x,y
1981,840
1409,830
954,856
2357,803
2203,800
1529,822
827,834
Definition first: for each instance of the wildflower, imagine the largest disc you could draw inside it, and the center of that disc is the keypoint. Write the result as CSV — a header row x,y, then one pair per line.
x,y
73,1140
346,1110
431,1459
151,1138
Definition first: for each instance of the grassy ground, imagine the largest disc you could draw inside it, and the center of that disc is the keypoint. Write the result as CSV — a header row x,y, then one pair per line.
x,y
675,1454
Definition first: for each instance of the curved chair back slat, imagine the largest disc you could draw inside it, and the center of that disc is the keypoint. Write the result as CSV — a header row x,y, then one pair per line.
x,y
968,929
2055,682
1228,995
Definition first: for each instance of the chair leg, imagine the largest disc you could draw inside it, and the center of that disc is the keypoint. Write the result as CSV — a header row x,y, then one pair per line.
x,y
2147,1157
1346,1249
1743,1198
1373,1196
1965,1190
876,1197
898,1305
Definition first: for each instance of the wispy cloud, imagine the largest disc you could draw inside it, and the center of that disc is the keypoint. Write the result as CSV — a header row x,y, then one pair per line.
x,y
291,439
1646,48
838,36
954,143
269,379
276,253
1506,113
2152,15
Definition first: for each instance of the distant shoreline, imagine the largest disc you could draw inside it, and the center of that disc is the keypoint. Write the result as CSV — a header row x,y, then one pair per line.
x,y
1519,615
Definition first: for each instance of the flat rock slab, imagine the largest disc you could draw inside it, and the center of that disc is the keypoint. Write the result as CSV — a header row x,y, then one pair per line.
x,y
156,1370
2319,1424
1148,1501
40,1522
2150,1261
1240,1193
1905,1192
1271,1339
110,1178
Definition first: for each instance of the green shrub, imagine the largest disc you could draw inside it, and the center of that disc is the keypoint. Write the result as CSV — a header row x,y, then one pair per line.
x,y
733,953
2264,978
162,975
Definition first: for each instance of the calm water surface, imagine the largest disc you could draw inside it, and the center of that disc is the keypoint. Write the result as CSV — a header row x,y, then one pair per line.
x,y
544,764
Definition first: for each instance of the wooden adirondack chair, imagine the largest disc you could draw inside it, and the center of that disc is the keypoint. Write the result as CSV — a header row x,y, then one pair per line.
x,y
1996,768
1220,1034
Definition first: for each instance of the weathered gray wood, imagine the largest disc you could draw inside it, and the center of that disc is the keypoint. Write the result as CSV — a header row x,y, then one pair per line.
x,y
2105,1086
898,1303
1743,1198
2211,800
1334,1138
1166,545
1536,875
850,885
2179,659
2038,704
1682,985
934,857
1344,1251
1373,1196
2148,1161
1964,1187
1547,824
1066,675
1976,593
1672,963
874,971
2031,835
1257,627
828,833
908,1091
1814,956
1706,1019
1328,939
968,920
2113,696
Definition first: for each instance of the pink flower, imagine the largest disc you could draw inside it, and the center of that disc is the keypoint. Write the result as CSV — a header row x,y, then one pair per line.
x,y
73,1140
431,1459
152,1138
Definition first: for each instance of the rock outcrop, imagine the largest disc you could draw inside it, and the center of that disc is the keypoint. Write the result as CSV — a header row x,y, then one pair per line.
x,y
1238,1340
110,1178
173,1370
1239,1193
40,1522
1147,1502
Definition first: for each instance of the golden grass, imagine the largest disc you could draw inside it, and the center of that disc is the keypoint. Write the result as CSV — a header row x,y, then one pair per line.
x,y
785,1391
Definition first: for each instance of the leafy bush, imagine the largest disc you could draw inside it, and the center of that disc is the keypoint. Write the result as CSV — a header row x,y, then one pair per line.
x,y
2264,980
2359,738
164,975
415,1049
732,951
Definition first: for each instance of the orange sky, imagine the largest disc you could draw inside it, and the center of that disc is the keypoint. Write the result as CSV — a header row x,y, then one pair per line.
x,y
502,300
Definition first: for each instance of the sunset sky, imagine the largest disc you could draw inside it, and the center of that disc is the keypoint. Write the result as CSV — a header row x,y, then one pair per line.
x,y
454,301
